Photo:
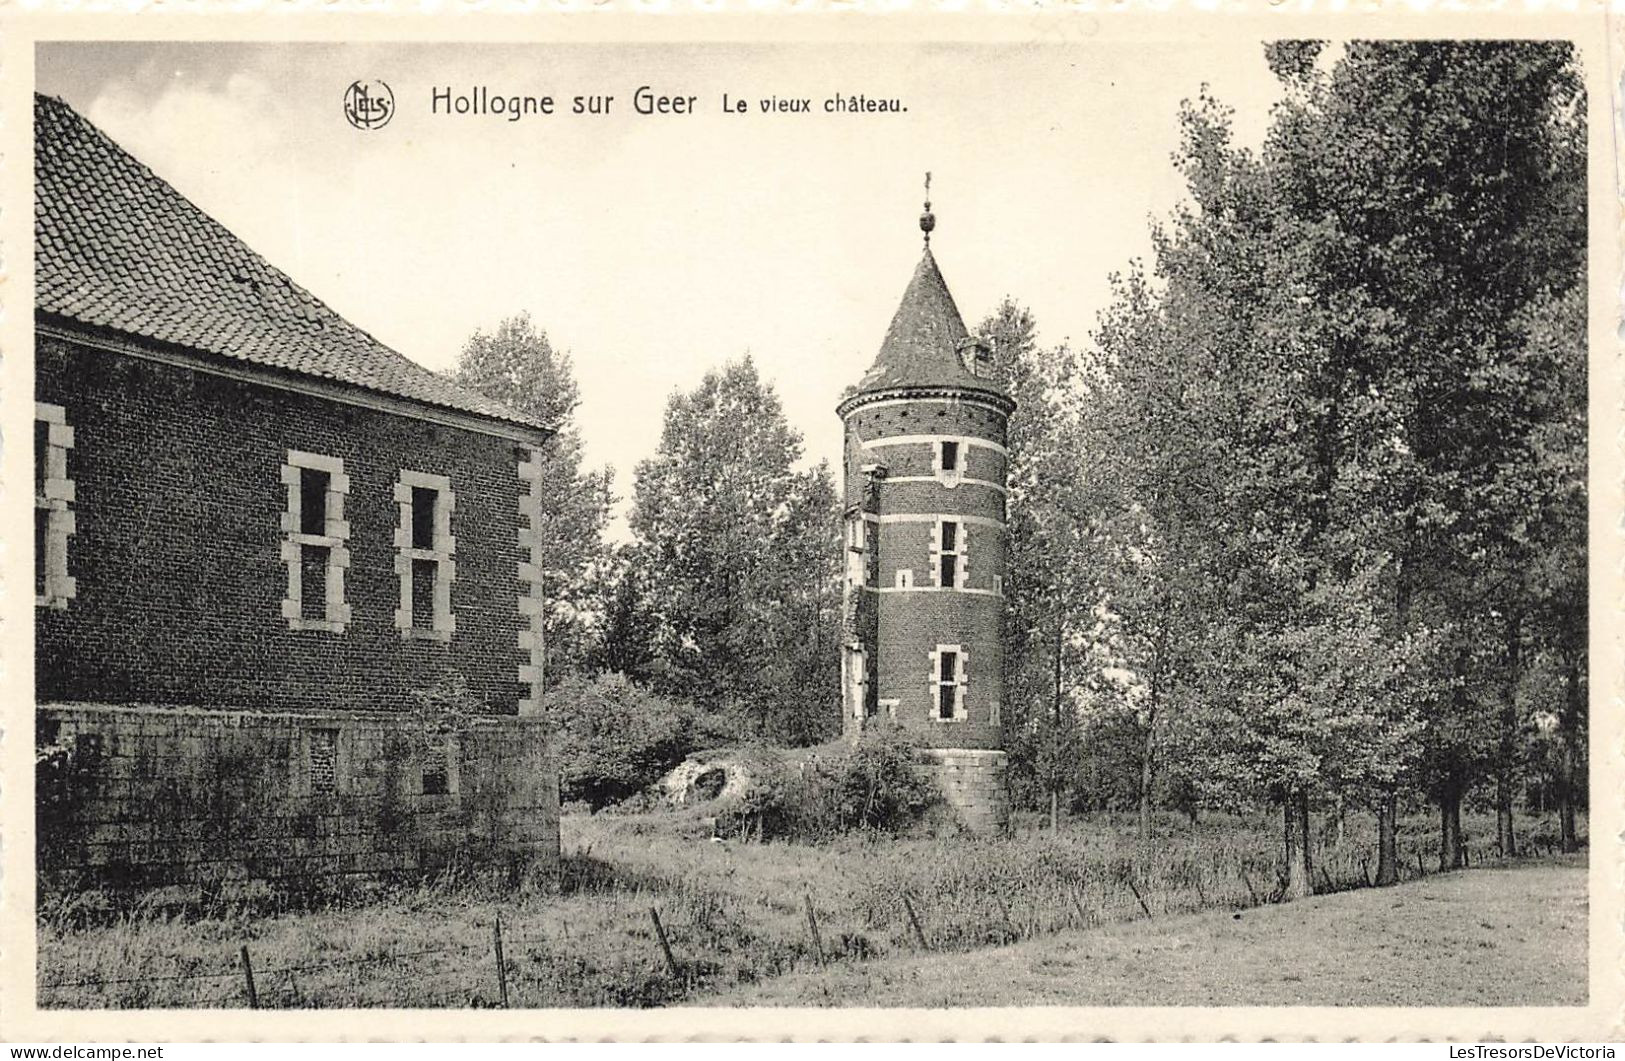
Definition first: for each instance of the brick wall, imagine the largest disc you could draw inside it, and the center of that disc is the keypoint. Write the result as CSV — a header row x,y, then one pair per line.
x,y
176,552
183,796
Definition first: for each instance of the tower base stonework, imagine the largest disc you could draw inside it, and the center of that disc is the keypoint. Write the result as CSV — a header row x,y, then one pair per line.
x,y
973,783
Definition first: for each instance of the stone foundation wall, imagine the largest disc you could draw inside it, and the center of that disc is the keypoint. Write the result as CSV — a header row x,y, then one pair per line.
x,y
146,797
973,782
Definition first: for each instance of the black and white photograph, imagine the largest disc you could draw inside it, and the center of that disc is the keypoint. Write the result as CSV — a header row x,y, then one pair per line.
x,y
1076,521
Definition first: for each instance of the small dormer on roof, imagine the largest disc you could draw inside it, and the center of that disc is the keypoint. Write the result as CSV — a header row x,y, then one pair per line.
x,y
928,345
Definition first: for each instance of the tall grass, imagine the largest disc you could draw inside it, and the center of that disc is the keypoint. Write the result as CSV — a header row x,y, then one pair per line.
x,y
734,912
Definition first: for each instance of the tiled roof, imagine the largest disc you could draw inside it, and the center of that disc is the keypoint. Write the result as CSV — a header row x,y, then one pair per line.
x,y
116,247
922,346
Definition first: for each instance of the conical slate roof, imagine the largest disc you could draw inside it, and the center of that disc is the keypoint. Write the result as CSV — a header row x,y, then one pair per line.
x,y
926,343
116,247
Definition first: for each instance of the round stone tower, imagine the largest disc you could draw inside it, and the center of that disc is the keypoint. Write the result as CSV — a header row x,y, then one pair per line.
x,y
926,547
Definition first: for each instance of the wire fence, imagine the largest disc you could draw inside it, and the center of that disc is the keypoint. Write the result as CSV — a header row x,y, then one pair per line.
x,y
666,959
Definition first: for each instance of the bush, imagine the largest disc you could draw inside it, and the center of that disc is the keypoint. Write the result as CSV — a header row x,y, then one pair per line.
x,y
615,738
876,784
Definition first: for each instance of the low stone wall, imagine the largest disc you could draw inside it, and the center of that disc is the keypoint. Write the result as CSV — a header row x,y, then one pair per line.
x,y
973,782
145,797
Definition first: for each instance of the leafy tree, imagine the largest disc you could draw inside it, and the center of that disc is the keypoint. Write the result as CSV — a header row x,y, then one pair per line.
x,y
1446,180
518,365
739,555
1047,620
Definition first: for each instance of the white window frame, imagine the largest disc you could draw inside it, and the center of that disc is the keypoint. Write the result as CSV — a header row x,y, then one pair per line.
x,y
857,545
443,624
960,552
904,579
855,663
335,536
958,684
54,494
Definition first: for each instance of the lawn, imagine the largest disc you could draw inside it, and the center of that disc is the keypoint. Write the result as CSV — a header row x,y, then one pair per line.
x,y
735,916
1512,936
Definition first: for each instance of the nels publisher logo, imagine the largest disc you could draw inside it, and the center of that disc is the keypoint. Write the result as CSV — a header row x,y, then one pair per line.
x,y
369,104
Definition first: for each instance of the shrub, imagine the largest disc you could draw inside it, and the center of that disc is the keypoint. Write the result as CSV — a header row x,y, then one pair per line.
x,y
876,784
615,738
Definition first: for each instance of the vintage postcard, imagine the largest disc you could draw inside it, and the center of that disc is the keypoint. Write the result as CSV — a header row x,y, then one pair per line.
x,y
814,526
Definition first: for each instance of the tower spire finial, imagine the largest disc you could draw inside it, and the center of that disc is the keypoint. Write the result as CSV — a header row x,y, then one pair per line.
x,y
928,220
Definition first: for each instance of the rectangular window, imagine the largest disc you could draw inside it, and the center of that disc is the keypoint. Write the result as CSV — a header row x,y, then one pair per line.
x,y
53,506
950,457
857,557
424,548
948,683
948,553
424,502
315,540
314,484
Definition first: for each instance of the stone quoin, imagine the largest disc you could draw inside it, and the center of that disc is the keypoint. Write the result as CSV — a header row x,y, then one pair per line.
x,y
925,544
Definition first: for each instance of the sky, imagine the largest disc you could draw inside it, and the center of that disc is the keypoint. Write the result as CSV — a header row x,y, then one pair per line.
x,y
656,247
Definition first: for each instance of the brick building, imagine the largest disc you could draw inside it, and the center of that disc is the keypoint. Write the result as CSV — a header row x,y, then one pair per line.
x,y
269,551
925,544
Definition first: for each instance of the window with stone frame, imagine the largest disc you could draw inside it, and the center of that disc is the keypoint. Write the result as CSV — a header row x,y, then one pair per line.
x,y
424,551
948,671
948,460
949,548
315,537
857,545
54,517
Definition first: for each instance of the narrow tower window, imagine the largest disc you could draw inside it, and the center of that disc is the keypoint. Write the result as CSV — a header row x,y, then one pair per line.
x,y
857,544
950,457
950,547
948,683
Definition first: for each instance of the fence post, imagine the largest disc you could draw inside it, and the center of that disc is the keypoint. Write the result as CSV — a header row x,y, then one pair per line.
x,y
502,971
665,944
812,930
919,934
248,979
1137,897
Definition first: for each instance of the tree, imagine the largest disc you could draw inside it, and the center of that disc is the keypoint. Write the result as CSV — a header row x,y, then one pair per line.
x,y
739,560
1047,623
1450,178
518,366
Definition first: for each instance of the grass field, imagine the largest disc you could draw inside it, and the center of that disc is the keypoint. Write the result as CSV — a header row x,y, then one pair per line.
x,y
1513,936
735,917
